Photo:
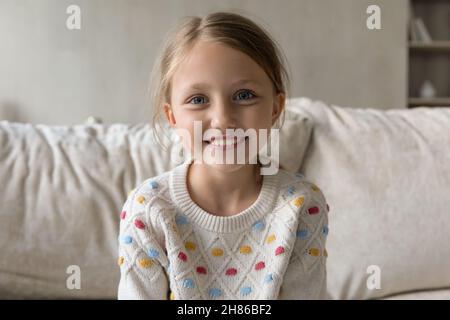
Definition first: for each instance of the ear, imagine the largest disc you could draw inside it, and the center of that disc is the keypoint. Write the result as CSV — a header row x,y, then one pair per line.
x,y
169,115
278,106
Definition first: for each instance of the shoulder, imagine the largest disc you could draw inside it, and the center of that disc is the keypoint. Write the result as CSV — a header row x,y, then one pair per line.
x,y
152,194
301,193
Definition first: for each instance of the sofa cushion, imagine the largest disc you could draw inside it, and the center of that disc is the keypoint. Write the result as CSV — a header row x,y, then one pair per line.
x,y
386,178
61,194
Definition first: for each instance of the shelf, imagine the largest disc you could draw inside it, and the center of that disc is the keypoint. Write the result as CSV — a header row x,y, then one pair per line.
x,y
435,46
432,102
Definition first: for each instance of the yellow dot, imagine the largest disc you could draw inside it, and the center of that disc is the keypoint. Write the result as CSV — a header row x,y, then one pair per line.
x,y
270,238
172,296
140,199
120,261
189,245
298,201
315,188
245,249
131,191
145,263
314,252
217,252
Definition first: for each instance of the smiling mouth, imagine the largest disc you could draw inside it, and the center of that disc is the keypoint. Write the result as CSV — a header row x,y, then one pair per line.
x,y
225,142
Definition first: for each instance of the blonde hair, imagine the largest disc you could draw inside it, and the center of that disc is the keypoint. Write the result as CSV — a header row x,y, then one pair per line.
x,y
227,28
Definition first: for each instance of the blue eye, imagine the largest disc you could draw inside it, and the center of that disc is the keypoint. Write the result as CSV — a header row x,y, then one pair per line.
x,y
197,100
245,95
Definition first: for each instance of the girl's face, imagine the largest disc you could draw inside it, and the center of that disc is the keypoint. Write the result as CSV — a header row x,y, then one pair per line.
x,y
224,89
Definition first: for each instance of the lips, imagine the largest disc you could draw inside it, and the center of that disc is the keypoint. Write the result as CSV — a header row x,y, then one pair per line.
x,y
225,142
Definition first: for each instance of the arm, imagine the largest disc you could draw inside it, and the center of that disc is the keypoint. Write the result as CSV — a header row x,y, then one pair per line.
x,y
306,276
141,258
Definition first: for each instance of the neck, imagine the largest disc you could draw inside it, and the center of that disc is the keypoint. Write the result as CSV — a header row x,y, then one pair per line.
x,y
222,192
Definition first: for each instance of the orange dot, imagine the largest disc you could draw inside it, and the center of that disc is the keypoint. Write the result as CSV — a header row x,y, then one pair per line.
x,y
245,249
298,201
217,252
271,238
120,261
314,252
145,263
190,246
140,199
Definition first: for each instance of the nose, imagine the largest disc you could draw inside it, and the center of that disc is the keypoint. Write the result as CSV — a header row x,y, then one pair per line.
x,y
223,116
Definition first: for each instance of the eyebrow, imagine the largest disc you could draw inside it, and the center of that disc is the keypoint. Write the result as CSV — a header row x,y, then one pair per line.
x,y
202,85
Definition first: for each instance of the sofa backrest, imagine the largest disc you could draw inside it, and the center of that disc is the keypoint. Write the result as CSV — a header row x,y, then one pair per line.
x,y
386,177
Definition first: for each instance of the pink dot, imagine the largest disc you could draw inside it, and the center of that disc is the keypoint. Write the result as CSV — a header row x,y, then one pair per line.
x,y
279,250
260,265
123,214
231,272
182,256
139,224
313,210
201,270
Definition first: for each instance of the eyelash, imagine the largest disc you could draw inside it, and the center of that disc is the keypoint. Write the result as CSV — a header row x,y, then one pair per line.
x,y
253,95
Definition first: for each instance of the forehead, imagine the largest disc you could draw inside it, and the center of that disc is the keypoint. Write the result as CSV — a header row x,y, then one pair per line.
x,y
215,63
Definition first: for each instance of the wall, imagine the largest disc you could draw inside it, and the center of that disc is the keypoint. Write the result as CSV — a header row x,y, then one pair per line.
x,y
52,75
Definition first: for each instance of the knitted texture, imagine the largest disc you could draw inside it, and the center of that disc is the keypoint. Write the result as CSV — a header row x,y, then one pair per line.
x,y
170,248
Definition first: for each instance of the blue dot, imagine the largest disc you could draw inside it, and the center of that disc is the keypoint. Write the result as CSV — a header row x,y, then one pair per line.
x,y
259,225
153,253
181,219
169,269
302,234
127,239
325,230
268,278
291,190
214,292
188,283
153,184
245,290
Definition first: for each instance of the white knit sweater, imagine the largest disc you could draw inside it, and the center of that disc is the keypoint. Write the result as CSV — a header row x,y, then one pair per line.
x,y
169,247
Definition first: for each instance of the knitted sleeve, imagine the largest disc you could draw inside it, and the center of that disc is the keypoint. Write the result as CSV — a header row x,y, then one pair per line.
x,y
306,276
142,259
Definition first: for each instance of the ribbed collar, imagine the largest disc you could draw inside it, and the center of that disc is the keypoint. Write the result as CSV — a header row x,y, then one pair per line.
x,y
238,222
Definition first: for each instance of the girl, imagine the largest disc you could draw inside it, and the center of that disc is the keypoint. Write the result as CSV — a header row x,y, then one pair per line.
x,y
222,230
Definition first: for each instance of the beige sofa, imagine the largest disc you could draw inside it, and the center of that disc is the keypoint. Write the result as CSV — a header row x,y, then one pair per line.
x,y
386,176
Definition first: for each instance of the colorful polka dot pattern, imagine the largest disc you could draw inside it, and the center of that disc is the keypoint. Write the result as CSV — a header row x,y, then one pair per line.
x,y
258,226
140,199
153,253
145,263
190,246
139,224
188,283
153,184
245,250
298,201
245,291
180,219
271,238
214,292
127,240
217,252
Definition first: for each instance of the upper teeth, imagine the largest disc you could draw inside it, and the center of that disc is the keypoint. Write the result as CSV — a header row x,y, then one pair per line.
x,y
223,142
